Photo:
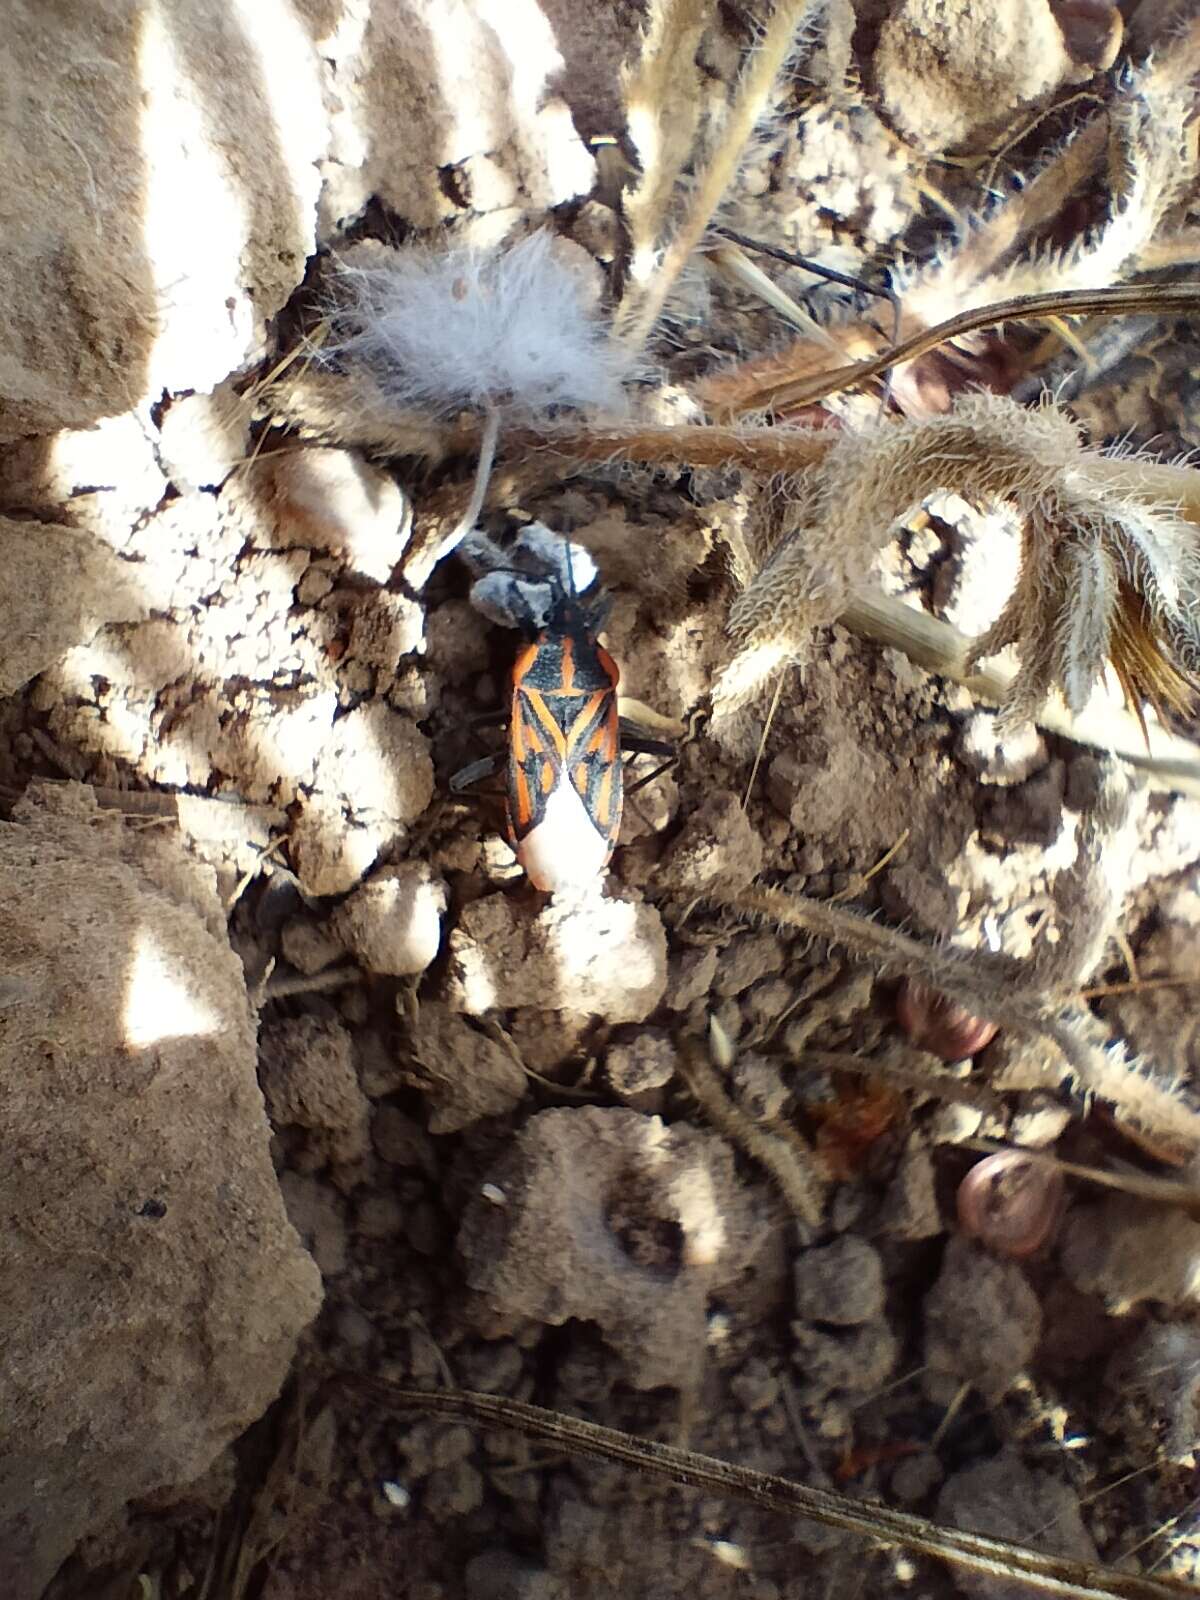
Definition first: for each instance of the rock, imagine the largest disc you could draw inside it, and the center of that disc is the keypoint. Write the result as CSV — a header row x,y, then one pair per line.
x,y
1155,1385
1004,1498
982,1320
453,135
153,1287
613,1218
849,1361
151,250
318,1214
590,957
402,1142
393,923
910,1208
718,845
307,1073
841,1283
309,946
104,480
638,1065
690,975
202,437
465,1075
950,76
334,502
60,588
745,960
1002,760
1129,1251
374,777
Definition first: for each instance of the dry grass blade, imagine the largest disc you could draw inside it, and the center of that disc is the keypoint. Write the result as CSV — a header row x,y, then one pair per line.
x,y
975,1552
644,301
662,109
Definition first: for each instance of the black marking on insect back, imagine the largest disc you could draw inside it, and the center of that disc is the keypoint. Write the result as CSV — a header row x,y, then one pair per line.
x,y
564,726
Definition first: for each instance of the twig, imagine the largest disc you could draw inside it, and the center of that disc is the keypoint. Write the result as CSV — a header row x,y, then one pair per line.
x,y
976,1552
976,1095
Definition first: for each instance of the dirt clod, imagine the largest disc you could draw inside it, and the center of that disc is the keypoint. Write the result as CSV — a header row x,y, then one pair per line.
x,y
612,1218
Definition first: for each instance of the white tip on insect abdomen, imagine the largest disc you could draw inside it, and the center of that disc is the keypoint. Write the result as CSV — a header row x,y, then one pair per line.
x,y
564,851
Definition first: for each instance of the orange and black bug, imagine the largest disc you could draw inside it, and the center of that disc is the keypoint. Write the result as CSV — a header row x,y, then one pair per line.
x,y
565,782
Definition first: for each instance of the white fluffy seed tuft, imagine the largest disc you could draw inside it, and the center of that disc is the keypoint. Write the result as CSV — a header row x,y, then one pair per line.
x,y
504,328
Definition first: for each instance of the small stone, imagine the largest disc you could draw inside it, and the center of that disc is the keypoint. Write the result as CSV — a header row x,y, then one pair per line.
x,y
645,1062
393,923
202,438
717,845
839,1283
1002,1497
465,1075
332,500
309,946
745,960
401,1142
910,1208
1128,1252
982,1320
996,759
690,975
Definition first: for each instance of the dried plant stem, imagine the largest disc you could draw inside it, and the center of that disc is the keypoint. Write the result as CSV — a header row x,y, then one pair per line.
x,y
768,450
788,1160
1170,763
1171,299
976,1552
643,304
992,981
1012,994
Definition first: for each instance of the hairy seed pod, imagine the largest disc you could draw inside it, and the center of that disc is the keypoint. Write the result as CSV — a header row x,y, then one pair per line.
x,y
1011,1202
935,1023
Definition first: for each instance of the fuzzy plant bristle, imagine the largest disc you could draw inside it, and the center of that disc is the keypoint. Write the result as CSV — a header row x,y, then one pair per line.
x,y
1109,574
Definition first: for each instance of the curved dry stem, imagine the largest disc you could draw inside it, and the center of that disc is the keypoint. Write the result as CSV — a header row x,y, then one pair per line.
x,y
1172,299
1169,762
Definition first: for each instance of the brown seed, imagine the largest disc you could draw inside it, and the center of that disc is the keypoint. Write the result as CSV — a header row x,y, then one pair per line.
x,y
1011,1202
933,1022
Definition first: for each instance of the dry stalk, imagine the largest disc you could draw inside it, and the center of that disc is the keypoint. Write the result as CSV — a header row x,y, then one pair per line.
x,y
973,1552
663,102
1026,998
1169,762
